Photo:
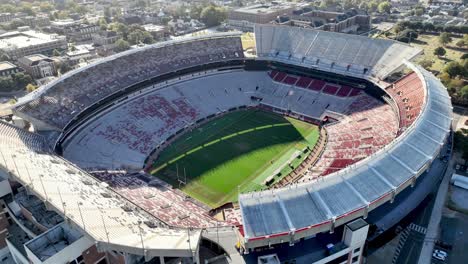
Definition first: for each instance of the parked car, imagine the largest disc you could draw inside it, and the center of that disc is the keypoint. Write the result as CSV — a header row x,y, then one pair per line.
x,y
439,254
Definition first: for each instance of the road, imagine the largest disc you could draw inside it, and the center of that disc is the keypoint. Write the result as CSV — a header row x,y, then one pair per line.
x,y
433,228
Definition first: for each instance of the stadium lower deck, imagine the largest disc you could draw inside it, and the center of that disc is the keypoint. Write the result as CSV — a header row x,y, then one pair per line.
x,y
123,136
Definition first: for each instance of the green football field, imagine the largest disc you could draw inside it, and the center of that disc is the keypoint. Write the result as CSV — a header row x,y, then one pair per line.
x,y
236,152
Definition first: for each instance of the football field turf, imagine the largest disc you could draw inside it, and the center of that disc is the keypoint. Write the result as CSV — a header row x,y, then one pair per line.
x,y
235,152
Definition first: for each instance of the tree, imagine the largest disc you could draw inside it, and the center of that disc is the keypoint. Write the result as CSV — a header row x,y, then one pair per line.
x,y
439,51
461,43
55,53
46,7
384,7
444,38
464,92
6,84
407,35
426,64
213,15
428,27
64,67
30,87
464,56
454,69
372,5
22,79
399,27
140,36
419,11
102,24
121,45
16,23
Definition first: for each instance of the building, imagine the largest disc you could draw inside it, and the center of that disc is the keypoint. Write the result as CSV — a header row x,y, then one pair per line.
x,y
104,41
74,30
38,65
349,22
40,20
6,17
245,17
8,68
17,44
157,31
81,52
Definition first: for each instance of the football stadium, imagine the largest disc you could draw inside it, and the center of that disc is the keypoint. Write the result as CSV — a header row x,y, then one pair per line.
x,y
190,151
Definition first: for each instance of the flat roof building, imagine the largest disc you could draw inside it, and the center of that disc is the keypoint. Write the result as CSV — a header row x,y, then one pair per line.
x,y
17,44
8,68
245,17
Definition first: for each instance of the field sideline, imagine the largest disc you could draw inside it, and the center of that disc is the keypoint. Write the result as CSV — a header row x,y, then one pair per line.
x,y
233,153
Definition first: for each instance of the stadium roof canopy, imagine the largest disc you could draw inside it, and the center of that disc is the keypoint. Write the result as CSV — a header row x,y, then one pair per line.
x,y
357,189
110,219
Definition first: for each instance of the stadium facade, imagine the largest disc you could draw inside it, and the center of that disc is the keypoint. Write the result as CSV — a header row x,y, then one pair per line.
x,y
97,127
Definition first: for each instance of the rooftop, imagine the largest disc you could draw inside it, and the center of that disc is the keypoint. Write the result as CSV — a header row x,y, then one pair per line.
x,y
53,241
357,224
263,8
5,65
18,40
37,208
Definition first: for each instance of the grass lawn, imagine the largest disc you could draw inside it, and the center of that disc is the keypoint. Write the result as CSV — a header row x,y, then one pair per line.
x,y
237,151
429,43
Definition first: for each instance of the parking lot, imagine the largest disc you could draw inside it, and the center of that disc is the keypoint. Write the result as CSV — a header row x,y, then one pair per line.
x,y
453,230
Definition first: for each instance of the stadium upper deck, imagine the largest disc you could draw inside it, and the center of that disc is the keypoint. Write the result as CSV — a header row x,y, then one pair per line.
x,y
54,105
332,52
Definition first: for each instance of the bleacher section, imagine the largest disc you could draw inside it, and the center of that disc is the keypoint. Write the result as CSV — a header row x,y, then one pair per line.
x,y
160,199
369,125
304,209
408,94
306,96
58,102
125,135
334,52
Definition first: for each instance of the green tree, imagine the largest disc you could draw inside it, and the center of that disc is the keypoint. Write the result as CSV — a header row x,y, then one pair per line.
x,y
102,24
464,92
140,36
56,53
121,45
419,11
372,6
21,79
426,64
439,51
445,38
27,8
6,84
16,23
461,43
213,15
46,7
120,28
454,69
384,7
8,8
